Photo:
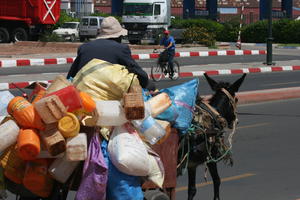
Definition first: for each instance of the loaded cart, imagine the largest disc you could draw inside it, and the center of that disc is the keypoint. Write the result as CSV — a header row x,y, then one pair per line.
x,y
168,154
100,135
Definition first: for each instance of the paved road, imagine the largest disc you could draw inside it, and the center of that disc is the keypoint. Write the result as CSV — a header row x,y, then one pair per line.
x,y
266,154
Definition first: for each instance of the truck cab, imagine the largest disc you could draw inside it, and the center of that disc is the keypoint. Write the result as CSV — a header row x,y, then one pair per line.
x,y
145,20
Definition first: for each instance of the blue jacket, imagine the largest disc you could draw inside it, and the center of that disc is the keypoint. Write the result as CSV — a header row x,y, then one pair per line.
x,y
166,41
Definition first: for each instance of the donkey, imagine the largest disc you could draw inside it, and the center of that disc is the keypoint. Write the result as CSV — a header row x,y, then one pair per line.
x,y
205,142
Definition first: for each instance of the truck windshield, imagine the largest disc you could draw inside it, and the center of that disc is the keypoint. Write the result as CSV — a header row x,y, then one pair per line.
x,y
138,9
69,25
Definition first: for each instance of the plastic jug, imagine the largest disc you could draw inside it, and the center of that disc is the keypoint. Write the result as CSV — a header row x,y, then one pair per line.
x,y
53,140
24,113
150,129
88,103
109,113
50,109
9,132
13,165
28,143
69,96
77,148
36,178
69,125
61,169
38,92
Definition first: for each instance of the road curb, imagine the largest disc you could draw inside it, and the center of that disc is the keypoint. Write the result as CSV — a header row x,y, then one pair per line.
x,y
268,95
55,61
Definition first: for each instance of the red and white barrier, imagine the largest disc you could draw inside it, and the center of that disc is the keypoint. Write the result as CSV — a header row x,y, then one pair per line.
x,y
56,61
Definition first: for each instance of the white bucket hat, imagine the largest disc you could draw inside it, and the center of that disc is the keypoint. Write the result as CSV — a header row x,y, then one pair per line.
x,y
111,28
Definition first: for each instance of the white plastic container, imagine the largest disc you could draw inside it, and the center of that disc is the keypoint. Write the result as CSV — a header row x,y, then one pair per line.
x,y
61,169
149,128
109,113
9,132
77,147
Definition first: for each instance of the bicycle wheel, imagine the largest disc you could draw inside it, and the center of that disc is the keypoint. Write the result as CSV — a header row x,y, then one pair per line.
x,y
176,74
156,72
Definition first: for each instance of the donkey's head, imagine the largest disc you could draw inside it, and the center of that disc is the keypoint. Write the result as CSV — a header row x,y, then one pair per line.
x,y
224,99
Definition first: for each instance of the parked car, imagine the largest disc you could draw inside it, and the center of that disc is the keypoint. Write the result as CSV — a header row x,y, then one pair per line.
x,y
68,31
89,27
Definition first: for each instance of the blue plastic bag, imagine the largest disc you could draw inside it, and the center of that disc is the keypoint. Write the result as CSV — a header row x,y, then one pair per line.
x,y
180,113
183,98
121,186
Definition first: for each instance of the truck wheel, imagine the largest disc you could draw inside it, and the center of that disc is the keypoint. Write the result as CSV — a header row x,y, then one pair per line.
x,y
82,39
4,35
19,34
155,195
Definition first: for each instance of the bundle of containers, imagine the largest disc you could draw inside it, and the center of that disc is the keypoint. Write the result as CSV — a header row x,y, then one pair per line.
x,y
41,138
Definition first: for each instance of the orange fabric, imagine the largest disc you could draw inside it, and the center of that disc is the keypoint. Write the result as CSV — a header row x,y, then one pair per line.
x,y
24,113
29,144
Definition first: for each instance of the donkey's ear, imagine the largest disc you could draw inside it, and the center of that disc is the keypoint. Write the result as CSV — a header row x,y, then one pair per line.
x,y
237,84
212,83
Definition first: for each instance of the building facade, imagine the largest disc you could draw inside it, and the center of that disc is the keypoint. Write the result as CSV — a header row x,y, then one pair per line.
x,y
227,9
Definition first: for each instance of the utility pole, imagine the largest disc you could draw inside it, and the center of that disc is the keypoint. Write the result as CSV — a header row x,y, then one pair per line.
x,y
269,38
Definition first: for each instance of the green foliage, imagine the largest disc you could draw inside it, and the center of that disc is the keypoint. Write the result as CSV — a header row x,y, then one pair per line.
x,y
50,37
199,35
64,17
209,25
283,31
229,32
279,29
256,32
286,31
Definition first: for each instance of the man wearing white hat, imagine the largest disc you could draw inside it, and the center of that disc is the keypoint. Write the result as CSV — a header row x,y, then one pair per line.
x,y
108,47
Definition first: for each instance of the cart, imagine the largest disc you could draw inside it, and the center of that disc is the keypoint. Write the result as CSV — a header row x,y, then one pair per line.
x,y
167,151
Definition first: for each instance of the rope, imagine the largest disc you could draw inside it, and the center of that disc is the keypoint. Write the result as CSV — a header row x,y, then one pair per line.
x,y
230,136
186,156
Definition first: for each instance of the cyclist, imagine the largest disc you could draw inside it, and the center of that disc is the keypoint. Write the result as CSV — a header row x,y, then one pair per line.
x,y
169,44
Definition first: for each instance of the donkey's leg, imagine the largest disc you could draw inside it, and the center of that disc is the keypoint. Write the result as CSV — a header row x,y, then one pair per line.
x,y
213,170
192,182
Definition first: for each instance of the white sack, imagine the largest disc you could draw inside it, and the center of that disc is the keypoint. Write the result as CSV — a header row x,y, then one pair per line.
x,y
127,151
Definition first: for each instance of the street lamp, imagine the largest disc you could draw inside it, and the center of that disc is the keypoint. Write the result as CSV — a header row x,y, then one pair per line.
x,y
269,38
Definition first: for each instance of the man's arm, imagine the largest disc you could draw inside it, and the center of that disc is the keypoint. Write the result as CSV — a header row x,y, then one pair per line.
x,y
126,60
75,66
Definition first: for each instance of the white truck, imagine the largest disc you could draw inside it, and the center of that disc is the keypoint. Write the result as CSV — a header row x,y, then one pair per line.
x,y
146,19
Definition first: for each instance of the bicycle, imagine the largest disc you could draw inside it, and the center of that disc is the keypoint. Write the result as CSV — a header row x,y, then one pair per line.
x,y
162,68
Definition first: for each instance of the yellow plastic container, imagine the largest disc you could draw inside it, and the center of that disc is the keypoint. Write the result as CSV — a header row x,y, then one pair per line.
x,y
69,125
